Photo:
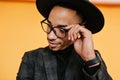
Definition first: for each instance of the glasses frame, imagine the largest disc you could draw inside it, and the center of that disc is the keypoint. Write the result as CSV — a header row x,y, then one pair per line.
x,y
52,28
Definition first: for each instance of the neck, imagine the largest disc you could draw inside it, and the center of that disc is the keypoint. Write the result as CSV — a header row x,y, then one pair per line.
x,y
66,50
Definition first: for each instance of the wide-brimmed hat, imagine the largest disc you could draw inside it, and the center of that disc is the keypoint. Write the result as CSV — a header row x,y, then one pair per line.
x,y
94,18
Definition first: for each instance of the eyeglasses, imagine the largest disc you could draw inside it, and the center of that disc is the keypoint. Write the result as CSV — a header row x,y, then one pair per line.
x,y
59,30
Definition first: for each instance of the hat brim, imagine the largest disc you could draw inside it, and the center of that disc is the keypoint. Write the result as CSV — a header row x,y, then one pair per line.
x,y
94,17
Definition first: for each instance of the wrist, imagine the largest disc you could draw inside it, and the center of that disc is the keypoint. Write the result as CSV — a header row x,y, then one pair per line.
x,y
88,55
93,62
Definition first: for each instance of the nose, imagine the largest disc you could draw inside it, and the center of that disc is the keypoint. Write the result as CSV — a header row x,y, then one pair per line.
x,y
51,36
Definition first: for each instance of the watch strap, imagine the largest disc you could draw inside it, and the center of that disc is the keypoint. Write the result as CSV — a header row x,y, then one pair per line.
x,y
93,61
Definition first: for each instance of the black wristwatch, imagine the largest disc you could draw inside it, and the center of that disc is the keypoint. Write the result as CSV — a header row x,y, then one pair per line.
x,y
94,61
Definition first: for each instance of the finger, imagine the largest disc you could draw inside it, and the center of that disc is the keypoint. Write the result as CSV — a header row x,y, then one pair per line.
x,y
70,34
85,32
68,27
76,32
70,37
78,35
73,32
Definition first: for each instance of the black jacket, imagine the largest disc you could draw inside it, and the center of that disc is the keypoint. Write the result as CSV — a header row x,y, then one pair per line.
x,y
40,64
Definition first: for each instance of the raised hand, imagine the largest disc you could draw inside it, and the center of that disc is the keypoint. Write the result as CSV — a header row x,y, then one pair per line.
x,y
82,40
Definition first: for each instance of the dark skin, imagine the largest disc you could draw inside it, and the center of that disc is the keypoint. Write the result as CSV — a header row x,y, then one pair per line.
x,y
77,34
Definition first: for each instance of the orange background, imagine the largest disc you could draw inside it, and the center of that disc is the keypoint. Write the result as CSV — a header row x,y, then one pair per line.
x,y
20,31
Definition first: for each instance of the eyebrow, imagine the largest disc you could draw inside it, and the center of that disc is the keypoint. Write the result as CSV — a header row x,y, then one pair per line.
x,y
61,26
58,26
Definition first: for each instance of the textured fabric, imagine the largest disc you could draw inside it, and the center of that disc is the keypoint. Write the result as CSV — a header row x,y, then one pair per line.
x,y
41,64
62,61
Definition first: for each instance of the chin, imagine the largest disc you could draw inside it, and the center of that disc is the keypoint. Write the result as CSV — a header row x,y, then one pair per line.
x,y
56,48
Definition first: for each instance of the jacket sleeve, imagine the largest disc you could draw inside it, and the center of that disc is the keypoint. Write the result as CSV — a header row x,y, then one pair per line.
x,y
26,68
100,73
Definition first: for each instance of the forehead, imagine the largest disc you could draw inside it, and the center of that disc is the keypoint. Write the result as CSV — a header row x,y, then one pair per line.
x,y
63,15
63,10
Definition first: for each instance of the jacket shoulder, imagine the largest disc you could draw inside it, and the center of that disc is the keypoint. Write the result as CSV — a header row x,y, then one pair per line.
x,y
34,54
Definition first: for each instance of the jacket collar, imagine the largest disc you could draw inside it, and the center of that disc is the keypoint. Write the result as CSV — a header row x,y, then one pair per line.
x,y
50,64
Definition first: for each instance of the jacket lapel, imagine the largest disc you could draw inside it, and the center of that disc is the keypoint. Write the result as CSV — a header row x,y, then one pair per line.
x,y
50,64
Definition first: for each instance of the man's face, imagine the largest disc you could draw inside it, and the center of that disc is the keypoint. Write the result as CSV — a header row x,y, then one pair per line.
x,y
61,16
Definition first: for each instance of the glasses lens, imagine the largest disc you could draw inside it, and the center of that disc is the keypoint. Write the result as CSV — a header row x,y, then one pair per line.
x,y
46,27
59,32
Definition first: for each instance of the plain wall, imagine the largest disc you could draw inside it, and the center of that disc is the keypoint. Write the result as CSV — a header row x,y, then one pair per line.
x,y
20,31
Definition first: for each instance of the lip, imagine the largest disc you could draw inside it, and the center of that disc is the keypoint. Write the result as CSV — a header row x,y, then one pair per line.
x,y
53,44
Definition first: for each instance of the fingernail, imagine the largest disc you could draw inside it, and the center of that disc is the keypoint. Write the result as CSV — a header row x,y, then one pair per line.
x,y
68,38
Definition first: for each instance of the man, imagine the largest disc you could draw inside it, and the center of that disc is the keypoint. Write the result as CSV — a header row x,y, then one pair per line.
x,y
70,55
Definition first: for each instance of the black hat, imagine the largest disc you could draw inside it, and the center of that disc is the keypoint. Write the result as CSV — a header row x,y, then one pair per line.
x,y
94,18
